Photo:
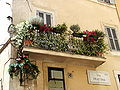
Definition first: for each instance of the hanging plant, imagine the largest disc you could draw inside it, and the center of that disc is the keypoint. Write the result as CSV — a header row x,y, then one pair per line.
x,y
21,66
24,34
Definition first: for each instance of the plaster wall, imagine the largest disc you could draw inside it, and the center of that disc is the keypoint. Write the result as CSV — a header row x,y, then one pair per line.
x,y
118,7
90,15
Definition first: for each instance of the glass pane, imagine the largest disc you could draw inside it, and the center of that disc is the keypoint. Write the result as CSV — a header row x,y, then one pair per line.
x,y
56,84
117,45
56,74
48,20
114,33
109,33
112,44
41,15
107,1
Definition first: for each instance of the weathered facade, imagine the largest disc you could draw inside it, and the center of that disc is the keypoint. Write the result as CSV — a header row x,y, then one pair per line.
x,y
90,15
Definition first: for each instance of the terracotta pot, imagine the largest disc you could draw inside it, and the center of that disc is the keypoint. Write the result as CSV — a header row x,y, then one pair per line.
x,y
100,54
27,42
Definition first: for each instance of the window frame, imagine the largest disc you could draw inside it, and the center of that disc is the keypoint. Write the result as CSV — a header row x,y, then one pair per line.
x,y
116,73
44,16
105,1
57,69
113,38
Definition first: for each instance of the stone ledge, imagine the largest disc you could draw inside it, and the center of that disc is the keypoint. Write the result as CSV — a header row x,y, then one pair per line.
x,y
67,58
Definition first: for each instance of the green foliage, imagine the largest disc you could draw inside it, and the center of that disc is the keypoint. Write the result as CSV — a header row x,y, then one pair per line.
x,y
92,44
99,33
80,35
75,28
89,49
23,65
51,41
60,28
56,42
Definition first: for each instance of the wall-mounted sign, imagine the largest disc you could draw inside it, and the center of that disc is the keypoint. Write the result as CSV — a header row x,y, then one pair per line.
x,y
98,77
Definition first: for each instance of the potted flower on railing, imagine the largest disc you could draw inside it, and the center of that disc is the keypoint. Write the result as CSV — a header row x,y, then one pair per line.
x,y
60,28
90,36
45,28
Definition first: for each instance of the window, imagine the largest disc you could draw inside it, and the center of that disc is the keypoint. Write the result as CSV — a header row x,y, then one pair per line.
x,y
114,44
107,1
117,77
47,17
56,79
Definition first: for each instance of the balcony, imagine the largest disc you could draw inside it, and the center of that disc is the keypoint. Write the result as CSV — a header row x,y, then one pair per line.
x,y
83,48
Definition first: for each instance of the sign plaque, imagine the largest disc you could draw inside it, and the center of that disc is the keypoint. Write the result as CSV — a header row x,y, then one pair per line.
x,y
98,77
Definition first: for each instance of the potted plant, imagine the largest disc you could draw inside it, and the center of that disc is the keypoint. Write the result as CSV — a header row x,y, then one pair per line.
x,y
60,28
22,66
75,28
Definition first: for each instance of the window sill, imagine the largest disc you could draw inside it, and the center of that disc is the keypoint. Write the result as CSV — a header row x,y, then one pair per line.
x,y
115,53
104,4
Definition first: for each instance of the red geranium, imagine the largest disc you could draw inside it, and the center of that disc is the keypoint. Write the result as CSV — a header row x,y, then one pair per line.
x,y
45,28
90,36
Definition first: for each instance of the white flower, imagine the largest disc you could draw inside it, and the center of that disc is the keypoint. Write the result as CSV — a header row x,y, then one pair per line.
x,y
84,35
